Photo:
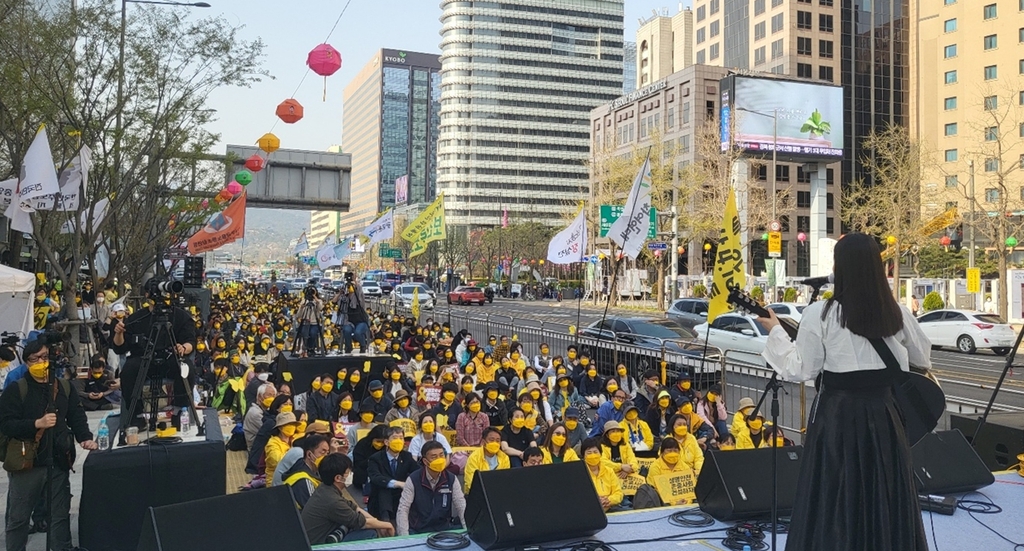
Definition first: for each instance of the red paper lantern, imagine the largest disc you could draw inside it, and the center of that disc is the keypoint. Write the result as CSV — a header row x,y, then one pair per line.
x,y
290,111
254,163
945,240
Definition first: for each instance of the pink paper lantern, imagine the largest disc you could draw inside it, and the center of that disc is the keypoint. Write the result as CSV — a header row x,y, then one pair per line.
x,y
324,60
801,237
234,188
205,203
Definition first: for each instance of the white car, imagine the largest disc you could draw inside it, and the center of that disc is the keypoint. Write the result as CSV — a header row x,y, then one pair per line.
x,y
968,330
791,310
741,338
403,295
371,289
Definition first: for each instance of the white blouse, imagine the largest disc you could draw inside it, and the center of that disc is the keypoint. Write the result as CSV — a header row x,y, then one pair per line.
x,y
825,344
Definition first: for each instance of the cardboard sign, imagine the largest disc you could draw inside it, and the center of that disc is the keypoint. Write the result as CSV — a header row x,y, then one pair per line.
x,y
631,483
676,488
408,426
645,463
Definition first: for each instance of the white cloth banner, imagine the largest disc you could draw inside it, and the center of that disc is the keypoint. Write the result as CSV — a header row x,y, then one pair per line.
x,y
570,244
327,256
38,176
74,180
20,220
8,189
380,229
99,212
302,246
629,231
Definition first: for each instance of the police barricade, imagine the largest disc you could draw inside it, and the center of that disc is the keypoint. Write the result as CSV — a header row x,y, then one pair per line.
x,y
746,379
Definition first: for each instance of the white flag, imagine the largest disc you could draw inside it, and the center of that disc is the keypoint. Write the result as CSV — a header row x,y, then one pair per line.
x,y
380,229
73,181
99,212
326,257
38,176
629,231
20,220
341,250
570,244
8,189
330,240
302,246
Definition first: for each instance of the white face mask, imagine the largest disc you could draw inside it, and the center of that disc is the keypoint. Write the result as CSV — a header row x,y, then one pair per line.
x,y
263,377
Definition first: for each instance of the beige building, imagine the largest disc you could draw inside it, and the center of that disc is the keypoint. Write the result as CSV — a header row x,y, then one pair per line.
x,y
968,100
664,45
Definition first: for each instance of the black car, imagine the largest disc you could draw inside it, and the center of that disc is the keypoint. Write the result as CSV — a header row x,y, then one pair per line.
x,y
644,342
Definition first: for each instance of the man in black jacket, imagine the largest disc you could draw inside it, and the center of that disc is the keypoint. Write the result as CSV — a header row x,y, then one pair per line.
x,y
33,411
388,469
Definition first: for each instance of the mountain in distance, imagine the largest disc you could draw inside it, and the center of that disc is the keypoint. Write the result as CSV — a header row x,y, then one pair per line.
x,y
268,233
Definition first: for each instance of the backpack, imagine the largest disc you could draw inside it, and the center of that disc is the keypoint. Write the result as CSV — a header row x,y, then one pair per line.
x,y
646,498
236,443
23,392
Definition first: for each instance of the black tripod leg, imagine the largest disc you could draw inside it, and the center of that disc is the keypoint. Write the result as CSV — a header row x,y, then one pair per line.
x,y
995,391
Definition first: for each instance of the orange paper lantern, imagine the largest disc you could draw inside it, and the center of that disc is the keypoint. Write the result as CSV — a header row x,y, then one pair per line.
x,y
290,111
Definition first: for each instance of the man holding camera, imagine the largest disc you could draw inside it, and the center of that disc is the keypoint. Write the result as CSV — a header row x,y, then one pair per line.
x,y
131,335
352,313
307,319
40,412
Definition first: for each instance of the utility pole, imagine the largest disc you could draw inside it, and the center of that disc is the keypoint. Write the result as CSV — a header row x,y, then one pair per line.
x,y
674,249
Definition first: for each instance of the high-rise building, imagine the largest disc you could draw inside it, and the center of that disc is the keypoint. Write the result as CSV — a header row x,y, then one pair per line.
x,y
322,224
628,67
519,79
968,100
390,125
664,46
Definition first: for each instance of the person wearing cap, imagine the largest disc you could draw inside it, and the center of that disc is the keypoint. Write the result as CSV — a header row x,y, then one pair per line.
x,y
367,420
754,436
322,402
471,423
612,410
556,446
608,486
280,404
381,402
303,477
402,408
683,390
285,427
493,405
388,470
295,454
432,498
711,408
427,431
488,457
650,384
563,396
739,419
577,432
589,384
638,433
617,451
659,412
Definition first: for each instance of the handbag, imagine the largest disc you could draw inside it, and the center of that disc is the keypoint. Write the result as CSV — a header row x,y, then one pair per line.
x,y
20,455
920,399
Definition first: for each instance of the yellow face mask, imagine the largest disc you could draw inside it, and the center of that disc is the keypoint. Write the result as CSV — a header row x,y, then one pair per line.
x,y
200,347
712,397
367,417
438,464
39,370
593,459
527,407
353,378
346,405
671,457
571,424
663,403
288,430
402,403
287,408
632,415
727,447
377,394
563,383
558,439
687,408
617,403
492,447
97,375
518,422
396,445
592,373
428,427
615,436
622,372
686,385
469,369
492,394
268,401
468,387
474,407
572,355
449,396
378,444
755,424
680,430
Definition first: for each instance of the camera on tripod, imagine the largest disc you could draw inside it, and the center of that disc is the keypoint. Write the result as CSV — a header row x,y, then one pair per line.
x,y
8,346
166,289
309,293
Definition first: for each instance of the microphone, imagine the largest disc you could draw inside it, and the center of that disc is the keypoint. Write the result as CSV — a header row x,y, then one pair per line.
x,y
819,281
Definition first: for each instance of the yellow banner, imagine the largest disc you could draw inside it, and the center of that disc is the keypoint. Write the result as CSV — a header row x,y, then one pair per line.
x,y
631,483
728,262
676,488
427,227
416,304
407,425
934,225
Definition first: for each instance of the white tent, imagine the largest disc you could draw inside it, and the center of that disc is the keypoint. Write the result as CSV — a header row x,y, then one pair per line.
x,y
17,292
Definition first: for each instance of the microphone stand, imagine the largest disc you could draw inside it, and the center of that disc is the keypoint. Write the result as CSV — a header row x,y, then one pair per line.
x,y
774,386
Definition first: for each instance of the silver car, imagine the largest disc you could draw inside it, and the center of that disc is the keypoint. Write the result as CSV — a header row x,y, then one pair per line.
x,y
403,295
688,312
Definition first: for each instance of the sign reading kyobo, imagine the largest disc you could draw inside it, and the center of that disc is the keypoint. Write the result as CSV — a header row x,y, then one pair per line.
x,y
641,93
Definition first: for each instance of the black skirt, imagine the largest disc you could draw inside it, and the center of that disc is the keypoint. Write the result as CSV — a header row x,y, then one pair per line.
x,y
856,489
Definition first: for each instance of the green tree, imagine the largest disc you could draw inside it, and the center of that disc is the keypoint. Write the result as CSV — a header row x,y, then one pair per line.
x,y
932,301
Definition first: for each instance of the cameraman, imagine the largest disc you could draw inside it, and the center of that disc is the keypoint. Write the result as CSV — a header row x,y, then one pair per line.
x,y
307,320
352,313
131,336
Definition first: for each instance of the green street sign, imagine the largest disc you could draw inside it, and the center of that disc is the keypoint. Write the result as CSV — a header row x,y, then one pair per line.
x,y
611,213
385,251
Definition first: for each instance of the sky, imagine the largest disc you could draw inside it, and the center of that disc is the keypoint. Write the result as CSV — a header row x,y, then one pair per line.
x,y
291,29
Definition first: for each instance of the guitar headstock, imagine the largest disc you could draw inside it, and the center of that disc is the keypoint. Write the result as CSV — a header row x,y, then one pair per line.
x,y
742,300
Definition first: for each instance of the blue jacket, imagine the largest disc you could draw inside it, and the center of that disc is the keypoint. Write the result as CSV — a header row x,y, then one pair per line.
x,y
605,413
15,375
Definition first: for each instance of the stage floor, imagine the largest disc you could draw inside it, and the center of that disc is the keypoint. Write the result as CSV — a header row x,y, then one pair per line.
x,y
957,532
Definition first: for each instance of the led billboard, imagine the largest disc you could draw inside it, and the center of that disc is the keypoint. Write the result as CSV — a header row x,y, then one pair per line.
x,y
810,117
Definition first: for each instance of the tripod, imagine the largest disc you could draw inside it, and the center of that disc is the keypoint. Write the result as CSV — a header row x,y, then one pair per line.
x,y
160,327
300,331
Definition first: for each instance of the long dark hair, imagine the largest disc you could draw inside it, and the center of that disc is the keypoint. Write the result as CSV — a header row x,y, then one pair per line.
x,y
867,307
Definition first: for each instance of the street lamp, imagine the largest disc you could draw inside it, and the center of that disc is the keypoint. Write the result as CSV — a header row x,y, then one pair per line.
x,y
775,149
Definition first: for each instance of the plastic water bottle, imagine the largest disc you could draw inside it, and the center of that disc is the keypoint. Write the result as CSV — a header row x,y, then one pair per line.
x,y
746,548
103,436
186,422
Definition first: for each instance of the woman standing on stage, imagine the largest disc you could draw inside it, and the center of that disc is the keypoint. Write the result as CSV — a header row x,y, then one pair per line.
x,y
856,489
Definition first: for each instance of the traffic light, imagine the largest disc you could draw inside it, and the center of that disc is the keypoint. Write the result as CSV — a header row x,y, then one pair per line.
x,y
194,267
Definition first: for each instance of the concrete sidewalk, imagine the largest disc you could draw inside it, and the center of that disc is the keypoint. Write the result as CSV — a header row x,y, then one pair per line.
x,y
37,542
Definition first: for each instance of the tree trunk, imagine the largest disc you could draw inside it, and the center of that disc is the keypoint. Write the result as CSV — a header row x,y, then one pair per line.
x,y
896,272
1003,296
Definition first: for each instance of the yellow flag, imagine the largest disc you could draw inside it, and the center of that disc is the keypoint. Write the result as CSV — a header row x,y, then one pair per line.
x,y
729,271
427,227
416,304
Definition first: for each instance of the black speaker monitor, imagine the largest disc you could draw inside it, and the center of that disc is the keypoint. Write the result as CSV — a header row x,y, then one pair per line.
x,y
945,463
502,510
209,523
737,484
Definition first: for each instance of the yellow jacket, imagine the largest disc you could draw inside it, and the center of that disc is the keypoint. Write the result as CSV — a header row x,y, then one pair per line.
x,y
690,453
485,373
642,427
569,455
626,453
477,462
607,484
746,442
739,425
275,450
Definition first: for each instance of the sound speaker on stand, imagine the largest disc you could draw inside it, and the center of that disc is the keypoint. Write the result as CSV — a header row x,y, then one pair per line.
x,y
945,463
737,484
502,510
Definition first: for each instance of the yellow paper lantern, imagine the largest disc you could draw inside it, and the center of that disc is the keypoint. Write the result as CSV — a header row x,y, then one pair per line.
x,y
891,240
269,143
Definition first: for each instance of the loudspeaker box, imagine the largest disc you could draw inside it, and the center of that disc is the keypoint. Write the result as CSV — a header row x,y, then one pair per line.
x,y
737,484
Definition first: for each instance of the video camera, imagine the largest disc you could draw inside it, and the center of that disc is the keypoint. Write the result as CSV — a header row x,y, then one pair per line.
x,y
166,289
309,293
8,346
349,276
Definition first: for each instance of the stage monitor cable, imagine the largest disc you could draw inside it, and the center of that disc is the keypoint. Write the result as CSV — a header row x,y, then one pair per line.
x,y
446,541
987,507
